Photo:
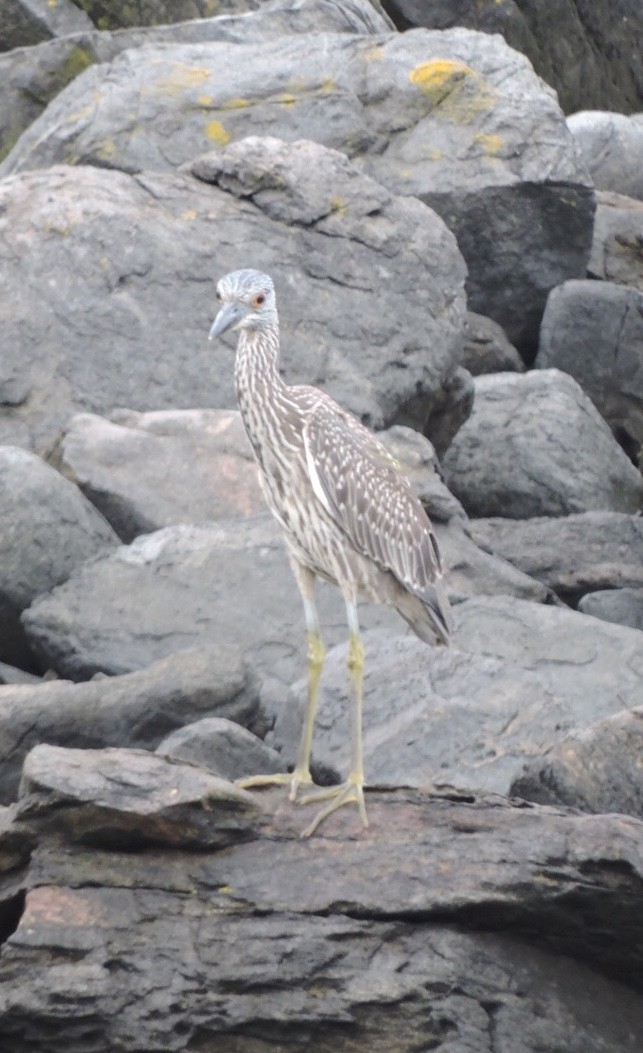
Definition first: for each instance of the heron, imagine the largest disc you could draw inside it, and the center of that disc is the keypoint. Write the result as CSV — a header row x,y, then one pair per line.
x,y
348,516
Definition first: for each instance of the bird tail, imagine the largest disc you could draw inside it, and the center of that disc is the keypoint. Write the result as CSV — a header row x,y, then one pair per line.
x,y
428,614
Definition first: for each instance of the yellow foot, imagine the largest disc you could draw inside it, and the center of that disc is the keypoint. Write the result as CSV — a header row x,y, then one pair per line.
x,y
295,779
349,792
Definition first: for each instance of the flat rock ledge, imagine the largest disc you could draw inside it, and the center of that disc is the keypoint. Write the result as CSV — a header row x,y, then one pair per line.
x,y
453,918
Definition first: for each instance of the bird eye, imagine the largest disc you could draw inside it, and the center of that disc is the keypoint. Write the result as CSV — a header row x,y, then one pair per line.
x,y
259,300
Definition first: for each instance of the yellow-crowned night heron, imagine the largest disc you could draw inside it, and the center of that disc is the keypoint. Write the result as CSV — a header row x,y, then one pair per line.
x,y
347,514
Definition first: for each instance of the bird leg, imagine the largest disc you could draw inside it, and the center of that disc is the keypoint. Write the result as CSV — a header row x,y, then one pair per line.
x,y
316,652
353,788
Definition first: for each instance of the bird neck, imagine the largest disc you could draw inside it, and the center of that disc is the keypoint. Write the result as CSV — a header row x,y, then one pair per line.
x,y
257,379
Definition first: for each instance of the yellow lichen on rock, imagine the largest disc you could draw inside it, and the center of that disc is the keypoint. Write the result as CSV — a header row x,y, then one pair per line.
x,y
457,90
234,104
181,76
491,144
216,133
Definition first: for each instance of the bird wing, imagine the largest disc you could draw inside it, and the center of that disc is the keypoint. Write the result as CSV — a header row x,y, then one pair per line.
x,y
355,478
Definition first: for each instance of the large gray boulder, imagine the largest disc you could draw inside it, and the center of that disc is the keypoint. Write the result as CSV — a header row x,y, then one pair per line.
x,y
588,50
617,254
228,583
139,709
30,77
47,528
612,147
501,168
370,286
597,769
594,331
571,554
470,715
535,445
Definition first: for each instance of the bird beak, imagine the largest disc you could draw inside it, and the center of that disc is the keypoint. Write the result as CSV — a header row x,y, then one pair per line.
x,y
228,317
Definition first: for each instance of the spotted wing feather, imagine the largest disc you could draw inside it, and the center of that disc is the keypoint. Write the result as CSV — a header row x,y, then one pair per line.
x,y
355,478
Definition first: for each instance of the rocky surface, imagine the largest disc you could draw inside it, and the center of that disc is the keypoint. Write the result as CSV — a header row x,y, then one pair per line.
x,y
535,445
612,148
313,219
573,555
597,769
518,179
48,528
473,714
588,50
595,333
384,938
623,606
146,903
617,248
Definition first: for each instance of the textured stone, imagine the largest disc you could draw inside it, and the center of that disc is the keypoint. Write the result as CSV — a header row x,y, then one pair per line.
x,y
612,148
487,349
221,746
502,168
598,769
594,331
617,246
535,445
25,22
572,555
623,606
138,709
371,293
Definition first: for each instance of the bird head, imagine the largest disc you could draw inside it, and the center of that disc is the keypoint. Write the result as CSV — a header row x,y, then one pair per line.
x,y
247,301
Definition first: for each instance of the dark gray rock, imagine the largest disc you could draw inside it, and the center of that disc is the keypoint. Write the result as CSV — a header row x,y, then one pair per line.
x,y
138,709
571,555
26,22
47,528
594,331
377,941
116,14
487,349
144,471
231,583
221,746
370,286
502,169
121,798
623,606
597,770
612,148
588,50
535,445
617,247
465,716
451,410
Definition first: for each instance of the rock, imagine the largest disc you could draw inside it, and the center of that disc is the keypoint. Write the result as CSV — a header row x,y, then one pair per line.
x,y
417,459
47,528
9,674
597,769
612,148
25,22
451,411
587,51
117,14
134,710
221,746
535,445
623,606
464,715
369,264
229,582
594,331
617,247
502,169
572,555
144,471
31,77
123,798
487,349
449,921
